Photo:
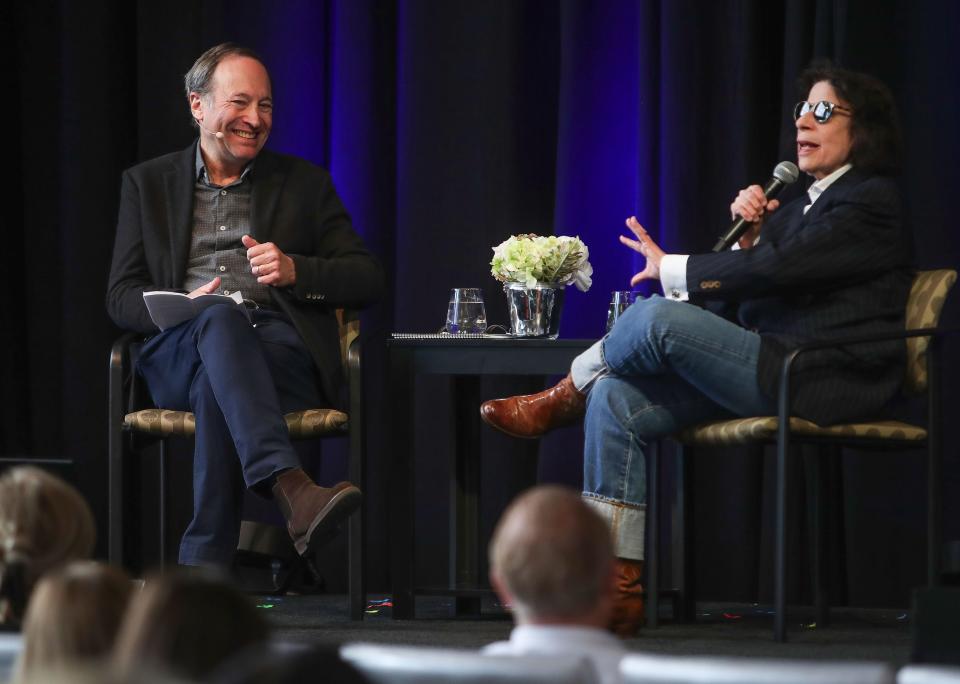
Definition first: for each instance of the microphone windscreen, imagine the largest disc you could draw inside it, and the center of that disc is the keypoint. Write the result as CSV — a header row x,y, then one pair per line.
x,y
786,172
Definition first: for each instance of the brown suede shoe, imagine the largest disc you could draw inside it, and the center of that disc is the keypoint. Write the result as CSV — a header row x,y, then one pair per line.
x,y
313,512
532,415
628,600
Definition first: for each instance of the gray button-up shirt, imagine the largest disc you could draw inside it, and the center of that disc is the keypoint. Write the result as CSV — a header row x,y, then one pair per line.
x,y
221,216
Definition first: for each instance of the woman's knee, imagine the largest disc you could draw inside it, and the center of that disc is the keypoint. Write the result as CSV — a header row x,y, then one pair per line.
x,y
644,316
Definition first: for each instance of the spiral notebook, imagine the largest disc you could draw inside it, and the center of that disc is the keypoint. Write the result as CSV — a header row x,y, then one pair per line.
x,y
457,336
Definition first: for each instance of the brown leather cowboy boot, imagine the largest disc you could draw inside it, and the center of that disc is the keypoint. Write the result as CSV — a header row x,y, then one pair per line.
x,y
628,598
312,512
532,415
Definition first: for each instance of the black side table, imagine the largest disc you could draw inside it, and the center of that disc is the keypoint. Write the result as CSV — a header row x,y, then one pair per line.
x,y
467,359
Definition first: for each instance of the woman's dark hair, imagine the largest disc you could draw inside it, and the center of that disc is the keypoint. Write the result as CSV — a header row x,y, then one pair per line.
x,y
875,126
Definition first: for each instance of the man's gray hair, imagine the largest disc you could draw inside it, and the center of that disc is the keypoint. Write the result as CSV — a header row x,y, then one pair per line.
x,y
553,553
198,79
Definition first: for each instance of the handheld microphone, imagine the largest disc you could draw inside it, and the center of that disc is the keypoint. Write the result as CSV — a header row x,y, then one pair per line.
x,y
216,134
784,174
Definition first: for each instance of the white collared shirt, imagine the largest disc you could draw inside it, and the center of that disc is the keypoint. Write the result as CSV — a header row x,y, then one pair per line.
x,y
673,267
818,188
603,650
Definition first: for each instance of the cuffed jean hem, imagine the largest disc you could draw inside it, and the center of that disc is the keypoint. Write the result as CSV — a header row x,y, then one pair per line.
x,y
588,367
627,523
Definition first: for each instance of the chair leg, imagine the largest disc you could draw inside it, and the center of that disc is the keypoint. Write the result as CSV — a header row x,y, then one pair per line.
x,y
653,536
780,531
934,466
683,537
162,495
115,496
934,508
116,438
356,527
816,487
355,565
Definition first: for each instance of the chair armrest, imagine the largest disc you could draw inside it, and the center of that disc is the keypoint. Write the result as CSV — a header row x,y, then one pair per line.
x,y
120,350
783,394
119,367
353,357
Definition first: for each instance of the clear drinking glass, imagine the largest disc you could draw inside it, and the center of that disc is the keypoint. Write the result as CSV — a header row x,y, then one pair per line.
x,y
619,301
465,312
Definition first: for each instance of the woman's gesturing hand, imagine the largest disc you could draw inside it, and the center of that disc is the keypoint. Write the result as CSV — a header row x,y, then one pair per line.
x,y
645,246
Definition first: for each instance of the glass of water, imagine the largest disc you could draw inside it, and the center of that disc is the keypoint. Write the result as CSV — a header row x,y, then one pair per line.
x,y
619,301
465,312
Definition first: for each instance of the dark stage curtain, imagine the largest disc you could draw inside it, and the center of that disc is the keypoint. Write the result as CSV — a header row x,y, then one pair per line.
x,y
449,125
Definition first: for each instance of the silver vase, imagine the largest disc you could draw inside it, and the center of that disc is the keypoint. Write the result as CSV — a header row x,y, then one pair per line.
x,y
534,311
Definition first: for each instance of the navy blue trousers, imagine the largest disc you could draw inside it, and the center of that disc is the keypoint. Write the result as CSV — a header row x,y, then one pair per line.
x,y
238,379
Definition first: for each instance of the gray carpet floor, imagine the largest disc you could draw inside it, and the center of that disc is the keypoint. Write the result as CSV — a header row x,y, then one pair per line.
x,y
720,630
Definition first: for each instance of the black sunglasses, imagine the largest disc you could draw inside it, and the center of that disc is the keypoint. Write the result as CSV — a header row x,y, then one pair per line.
x,y
822,110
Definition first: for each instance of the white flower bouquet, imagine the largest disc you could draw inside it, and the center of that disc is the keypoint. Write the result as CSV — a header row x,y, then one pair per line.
x,y
533,259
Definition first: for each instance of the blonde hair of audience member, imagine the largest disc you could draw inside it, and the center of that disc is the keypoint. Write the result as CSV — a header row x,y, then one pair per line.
x,y
551,559
73,617
186,625
93,673
44,523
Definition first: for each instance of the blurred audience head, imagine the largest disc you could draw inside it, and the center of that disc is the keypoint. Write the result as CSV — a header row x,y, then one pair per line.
x,y
73,617
93,673
273,664
44,524
186,625
551,559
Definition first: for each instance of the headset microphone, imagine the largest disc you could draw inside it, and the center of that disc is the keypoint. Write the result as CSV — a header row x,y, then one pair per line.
x,y
216,134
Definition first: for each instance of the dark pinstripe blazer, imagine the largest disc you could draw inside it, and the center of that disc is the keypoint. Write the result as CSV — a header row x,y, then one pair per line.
x,y
842,269
293,204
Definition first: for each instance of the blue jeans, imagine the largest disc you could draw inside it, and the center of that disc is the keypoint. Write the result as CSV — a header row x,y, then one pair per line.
x,y
238,379
664,366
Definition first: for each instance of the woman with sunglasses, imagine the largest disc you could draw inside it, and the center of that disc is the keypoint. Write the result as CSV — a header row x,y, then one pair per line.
x,y
834,263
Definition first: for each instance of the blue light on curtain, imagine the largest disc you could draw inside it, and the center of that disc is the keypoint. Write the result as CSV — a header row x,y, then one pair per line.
x,y
293,39
597,171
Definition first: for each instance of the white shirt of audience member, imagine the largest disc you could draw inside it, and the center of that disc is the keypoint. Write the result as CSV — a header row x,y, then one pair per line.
x,y
597,646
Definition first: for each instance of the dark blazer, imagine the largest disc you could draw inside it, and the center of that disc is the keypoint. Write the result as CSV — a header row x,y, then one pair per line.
x,y
293,204
842,269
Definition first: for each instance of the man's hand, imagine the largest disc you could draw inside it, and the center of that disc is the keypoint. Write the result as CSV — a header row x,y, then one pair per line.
x,y
645,246
269,264
209,288
752,205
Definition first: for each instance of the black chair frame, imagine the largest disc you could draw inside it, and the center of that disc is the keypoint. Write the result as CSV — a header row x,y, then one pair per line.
x,y
783,441
126,394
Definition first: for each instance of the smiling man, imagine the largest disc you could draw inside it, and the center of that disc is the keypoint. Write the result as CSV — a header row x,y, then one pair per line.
x,y
227,216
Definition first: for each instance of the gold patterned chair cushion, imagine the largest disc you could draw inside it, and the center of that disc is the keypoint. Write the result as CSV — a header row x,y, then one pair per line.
x,y
301,424
927,296
747,430
161,422
316,423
